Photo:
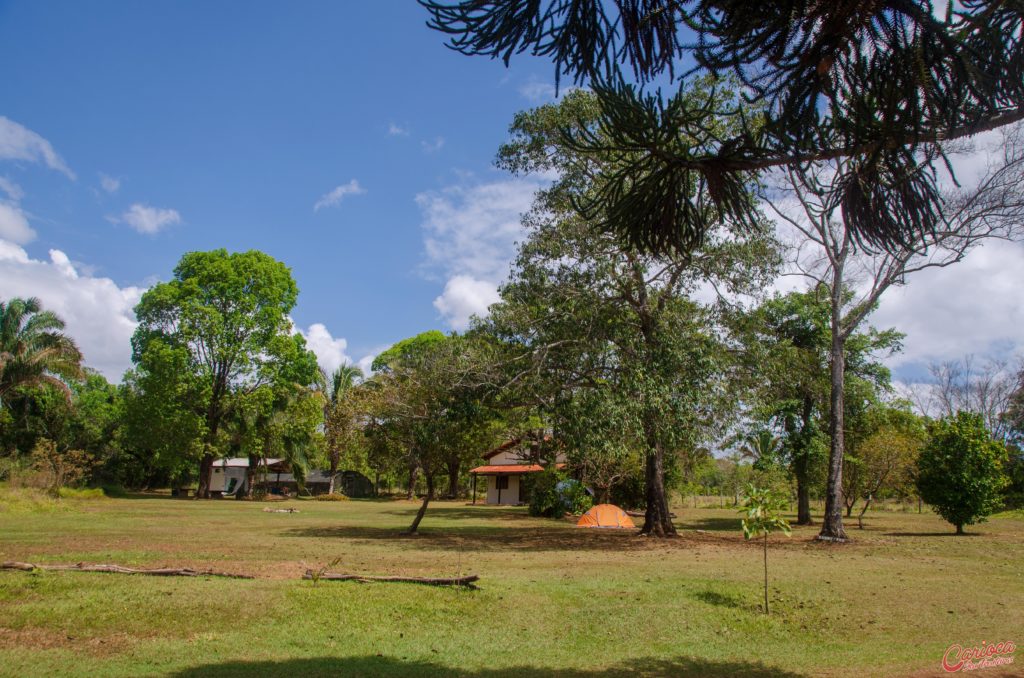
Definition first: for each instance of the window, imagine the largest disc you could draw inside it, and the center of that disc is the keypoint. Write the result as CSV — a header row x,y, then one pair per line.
x,y
501,482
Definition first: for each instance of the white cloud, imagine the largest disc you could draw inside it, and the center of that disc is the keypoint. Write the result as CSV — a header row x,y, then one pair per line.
x,y
470,237
20,143
396,130
150,220
973,307
12,189
330,351
464,296
337,194
109,184
97,311
537,91
433,146
14,224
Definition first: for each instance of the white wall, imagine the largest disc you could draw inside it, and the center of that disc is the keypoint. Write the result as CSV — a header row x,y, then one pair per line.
x,y
508,496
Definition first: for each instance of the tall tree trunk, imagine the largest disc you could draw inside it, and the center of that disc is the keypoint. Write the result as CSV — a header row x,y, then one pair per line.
x,y
832,524
657,521
802,466
205,473
803,500
426,500
453,480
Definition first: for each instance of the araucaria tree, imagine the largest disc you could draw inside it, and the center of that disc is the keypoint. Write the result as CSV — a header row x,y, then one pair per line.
x,y
597,323
218,330
833,254
960,471
884,85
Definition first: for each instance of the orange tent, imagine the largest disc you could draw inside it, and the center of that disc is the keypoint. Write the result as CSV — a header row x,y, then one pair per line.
x,y
605,515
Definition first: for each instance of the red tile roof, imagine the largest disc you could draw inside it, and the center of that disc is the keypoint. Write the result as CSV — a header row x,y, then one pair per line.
x,y
511,469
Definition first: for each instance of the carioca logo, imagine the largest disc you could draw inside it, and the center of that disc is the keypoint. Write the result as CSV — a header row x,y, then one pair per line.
x,y
959,658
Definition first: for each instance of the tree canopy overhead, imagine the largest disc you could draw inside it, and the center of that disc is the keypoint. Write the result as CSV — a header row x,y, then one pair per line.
x,y
886,84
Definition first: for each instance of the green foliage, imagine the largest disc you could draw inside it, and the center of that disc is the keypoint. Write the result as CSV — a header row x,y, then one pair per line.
x,y
960,470
209,339
407,349
883,84
33,348
554,494
762,513
81,493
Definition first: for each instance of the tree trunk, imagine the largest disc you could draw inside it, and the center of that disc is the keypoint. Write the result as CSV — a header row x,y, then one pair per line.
x,y
860,518
959,528
802,466
657,521
411,493
333,472
453,480
250,476
832,524
426,500
205,471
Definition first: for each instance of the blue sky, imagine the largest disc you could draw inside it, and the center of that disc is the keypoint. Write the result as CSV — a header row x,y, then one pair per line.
x,y
134,132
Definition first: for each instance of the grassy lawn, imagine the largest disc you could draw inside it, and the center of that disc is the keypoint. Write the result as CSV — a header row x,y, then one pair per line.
x,y
554,599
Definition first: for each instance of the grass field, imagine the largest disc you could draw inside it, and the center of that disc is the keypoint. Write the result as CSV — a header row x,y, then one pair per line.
x,y
553,599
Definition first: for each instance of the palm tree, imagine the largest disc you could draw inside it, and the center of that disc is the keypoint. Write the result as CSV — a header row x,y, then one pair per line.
x,y
336,423
33,348
762,446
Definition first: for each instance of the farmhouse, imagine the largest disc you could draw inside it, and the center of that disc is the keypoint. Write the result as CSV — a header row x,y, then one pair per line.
x,y
508,470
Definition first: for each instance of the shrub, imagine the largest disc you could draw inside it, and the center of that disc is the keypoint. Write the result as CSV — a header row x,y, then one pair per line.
x,y
960,471
554,494
331,497
83,493
55,469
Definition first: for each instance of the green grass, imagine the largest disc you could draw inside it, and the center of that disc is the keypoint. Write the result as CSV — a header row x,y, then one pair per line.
x,y
554,599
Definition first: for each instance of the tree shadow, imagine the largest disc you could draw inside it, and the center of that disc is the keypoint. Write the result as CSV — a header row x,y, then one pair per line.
x,y
934,534
713,524
369,666
497,538
720,599
464,513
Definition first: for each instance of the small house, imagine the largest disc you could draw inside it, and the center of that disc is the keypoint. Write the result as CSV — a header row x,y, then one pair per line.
x,y
507,473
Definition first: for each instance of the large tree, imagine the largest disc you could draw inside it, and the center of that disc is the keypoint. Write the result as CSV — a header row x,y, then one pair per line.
x,y
34,349
884,85
218,329
588,309
828,249
428,398
788,339
343,418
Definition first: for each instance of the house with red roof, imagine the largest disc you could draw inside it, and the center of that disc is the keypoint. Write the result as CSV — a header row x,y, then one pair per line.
x,y
507,472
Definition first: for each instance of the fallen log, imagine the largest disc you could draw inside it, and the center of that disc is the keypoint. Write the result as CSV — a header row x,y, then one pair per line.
x,y
120,569
466,581
284,510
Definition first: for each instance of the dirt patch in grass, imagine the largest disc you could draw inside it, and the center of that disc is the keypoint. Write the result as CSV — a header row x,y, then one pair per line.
x,y
50,639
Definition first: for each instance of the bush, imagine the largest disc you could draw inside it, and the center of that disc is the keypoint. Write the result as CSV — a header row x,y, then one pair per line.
x,y
83,493
554,494
331,497
960,471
